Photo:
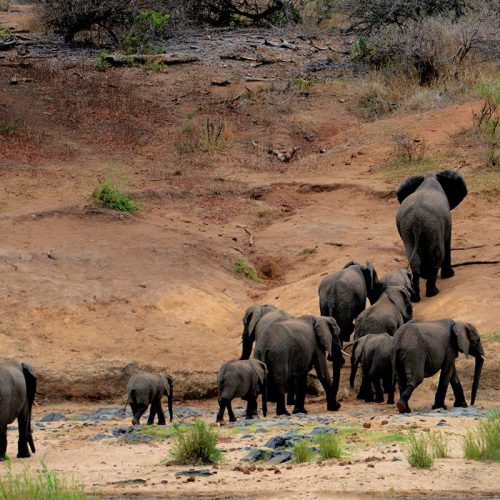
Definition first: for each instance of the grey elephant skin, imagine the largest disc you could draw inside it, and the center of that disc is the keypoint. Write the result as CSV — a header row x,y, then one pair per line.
x,y
146,389
245,379
422,348
343,294
391,310
17,393
373,352
290,348
397,277
424,224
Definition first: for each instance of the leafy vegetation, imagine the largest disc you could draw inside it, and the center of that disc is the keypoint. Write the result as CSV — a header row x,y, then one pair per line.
x,y
109,196
302,85
195,445
141,30
483,443
418,453
10,128
330,446
302,452
308,251
101,63
242,269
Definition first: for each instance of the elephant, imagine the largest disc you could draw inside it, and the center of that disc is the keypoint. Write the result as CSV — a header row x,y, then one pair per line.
x,y
342,294
398,277
17,394
290,348
391,310
424,224
373,351
246,379
422,348
146,389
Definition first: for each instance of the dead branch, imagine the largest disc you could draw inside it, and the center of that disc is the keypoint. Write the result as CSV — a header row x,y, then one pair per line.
x,y
166,59
476,263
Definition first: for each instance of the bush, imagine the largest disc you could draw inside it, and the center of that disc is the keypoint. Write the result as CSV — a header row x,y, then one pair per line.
x,y
242,269
301,452
417,452
484,442
142,29
109,196
196,445
407,147
330,446
438,444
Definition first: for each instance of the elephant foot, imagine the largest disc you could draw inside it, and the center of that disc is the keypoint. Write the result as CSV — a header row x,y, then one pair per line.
x,y
390,401
379,400
460,404
23,454
2,458
299,410
447,273
250,416
290,400
286,413
360,396
335,406
233,419
414,297
437,406
402,407
135,421
431,291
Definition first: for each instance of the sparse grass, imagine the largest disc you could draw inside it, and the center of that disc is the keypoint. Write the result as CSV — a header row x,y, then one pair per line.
x,y
101,63
302,85
417,451
486,182
108,195
439,445
330,446
399,167
308,251
407,147
302,452
195,445
156,66
493,336
387,437
10,128
242,269
41,485
5,33
156,431
213,134
483,443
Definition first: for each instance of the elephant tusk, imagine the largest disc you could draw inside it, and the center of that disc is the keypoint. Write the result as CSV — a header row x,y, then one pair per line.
x,y
483,357
344,353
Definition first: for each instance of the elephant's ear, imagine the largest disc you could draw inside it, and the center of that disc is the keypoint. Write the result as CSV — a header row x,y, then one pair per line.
x,y
453,185
168,384
323,334
408,312
251,318
460,330
357,349
30,378
409,186
260,369
369,274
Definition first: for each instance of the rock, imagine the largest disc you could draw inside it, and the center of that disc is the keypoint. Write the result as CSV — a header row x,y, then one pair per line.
x,y
323,430
134,438
367,425
247,436
137,480
187,411
53,416
102,414
442,424
194,472
255,455
260,429
395,459
279,457
384,422
277,442
100,436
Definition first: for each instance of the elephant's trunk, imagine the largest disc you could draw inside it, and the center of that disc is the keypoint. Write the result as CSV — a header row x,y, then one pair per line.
x,y
477,377
170,398
354,369
31,443
246,340
337,364
264,399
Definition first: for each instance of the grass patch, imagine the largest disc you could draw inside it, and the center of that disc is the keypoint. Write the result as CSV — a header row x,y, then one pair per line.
x,y
484,442
195,445
439,445
10,128
302,85
301,452
387,437
487,182
41,485
108,195
102,63
243,270
418,453
308,251
494,336
156,431
330,446
399,167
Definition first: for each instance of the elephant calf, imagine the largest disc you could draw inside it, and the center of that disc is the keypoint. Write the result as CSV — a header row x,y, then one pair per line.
x,y
373,351
245,379
391,310
398,277
422,348
146,389
17,393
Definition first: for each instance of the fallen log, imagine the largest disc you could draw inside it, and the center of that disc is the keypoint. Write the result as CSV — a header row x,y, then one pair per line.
x,y
166,59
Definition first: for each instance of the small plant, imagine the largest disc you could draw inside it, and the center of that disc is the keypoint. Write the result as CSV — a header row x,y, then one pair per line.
x,y
330,446
418,453
10,128
212,134
361,51
302,452
308,251
143,28
156,66
484,442
196,445
102,63
438,444
5,33
302,85
108,195
487,120
410,148
242,269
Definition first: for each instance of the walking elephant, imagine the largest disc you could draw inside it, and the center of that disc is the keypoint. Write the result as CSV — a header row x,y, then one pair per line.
x,y
391,310
146,389
373,352
424,224
422,348
245,379
343,294
17,393
398,277
290,348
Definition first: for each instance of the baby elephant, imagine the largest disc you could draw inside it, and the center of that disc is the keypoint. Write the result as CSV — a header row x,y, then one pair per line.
x,y
146,389
373,351
246,379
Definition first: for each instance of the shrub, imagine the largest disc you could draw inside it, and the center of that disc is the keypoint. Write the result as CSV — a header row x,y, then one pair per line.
x,y
330,446
301,452
407,147
196,445
484,442
212,134
242,269
302,85
417,452
108,195
142,29
10,128
438,444
101,63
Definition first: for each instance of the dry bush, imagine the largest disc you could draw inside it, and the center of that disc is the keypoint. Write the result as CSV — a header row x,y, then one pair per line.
x,y
410,148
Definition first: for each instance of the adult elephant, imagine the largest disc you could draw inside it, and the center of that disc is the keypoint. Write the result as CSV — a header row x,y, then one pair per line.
x,y
424,224
17,393
343,294
290,348
422,348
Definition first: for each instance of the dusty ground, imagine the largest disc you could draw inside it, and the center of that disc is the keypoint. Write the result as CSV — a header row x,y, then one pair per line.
x,y
90,296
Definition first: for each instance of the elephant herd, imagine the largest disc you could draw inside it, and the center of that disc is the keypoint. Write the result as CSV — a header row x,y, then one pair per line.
x,y
388,344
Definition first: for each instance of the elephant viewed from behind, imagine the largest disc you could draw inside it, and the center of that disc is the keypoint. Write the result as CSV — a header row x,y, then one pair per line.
x,y
424,224
397,277
17,394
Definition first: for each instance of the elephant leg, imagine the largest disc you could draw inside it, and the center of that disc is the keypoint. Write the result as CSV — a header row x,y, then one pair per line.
x,y
22,444
161,415
379,394
389,389
140,408
3,443
415,294
290,397
404,396
152,412
222,408
457,391
430,287
301,394
446,269
280,404
232,418
366,384
251,408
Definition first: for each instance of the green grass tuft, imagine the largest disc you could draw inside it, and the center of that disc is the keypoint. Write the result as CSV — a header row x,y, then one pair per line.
x,y
301,452
398,168
439,445
242,269
330,446
418,453
196,445
484,442
308,251
10,128
108,195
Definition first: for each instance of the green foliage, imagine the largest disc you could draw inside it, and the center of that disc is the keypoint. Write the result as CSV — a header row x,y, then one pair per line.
x,y
302,85
361,50
195,445
484,442
10,128
101,63
330,445
418,453
308,251
301,452
5,33
42,485
156,431
156,66
141,30
108,195
242,269
439,445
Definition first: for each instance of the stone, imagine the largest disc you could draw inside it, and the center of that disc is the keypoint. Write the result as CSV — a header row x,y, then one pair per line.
x,y
195,472
324,430
255,455
261,429
279,457
53,416
100,436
